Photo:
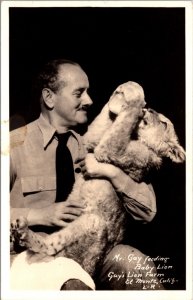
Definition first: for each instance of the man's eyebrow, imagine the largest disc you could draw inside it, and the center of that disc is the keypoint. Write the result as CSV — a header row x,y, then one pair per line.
x,y
80,89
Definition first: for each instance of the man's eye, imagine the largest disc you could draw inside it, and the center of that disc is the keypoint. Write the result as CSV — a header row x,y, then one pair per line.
x,y
78,94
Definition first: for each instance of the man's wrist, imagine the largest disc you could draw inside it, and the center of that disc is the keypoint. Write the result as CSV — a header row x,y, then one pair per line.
x,y
110,171
34,217
117,177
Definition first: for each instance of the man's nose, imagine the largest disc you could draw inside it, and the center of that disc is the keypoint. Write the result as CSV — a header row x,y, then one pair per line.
x,y
86,100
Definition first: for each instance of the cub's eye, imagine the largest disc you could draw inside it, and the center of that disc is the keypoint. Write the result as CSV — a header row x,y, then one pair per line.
x,y
144,121
164,124
117,93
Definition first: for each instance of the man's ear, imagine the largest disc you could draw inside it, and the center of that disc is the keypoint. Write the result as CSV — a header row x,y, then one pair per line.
x,y
48,97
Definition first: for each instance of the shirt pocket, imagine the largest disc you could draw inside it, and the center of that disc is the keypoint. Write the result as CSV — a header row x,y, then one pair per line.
x,y
35,184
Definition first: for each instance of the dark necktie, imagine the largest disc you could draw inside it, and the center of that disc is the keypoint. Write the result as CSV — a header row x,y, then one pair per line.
x,y
64,168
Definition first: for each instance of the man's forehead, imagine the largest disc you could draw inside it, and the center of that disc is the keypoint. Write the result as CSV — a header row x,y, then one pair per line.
x,y
72,73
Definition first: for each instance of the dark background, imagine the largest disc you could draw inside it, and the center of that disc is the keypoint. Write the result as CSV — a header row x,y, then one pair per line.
x,y
114,45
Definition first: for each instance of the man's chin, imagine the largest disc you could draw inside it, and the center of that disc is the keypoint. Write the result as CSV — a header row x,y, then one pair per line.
x,y
82,119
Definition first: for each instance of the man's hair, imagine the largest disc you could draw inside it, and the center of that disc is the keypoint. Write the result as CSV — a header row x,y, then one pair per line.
x,y
48,76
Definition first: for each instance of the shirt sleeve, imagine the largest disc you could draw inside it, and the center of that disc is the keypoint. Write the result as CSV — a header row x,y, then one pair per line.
x,y
139,200
12,173
15,212
18,212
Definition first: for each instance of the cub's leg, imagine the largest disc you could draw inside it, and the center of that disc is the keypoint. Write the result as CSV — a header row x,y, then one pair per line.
x,y
84,240
97,128
21,235
116,139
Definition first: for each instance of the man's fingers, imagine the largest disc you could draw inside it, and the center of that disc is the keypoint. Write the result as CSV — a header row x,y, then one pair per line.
x,y
63,206
83,169
76,204
72,211
60,223
82,163
79,160
69,217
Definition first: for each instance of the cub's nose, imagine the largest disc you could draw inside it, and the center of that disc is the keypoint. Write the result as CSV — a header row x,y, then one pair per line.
x,y
144,111
151,110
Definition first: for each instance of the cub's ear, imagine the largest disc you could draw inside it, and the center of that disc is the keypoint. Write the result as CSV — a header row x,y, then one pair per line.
x,y
176,152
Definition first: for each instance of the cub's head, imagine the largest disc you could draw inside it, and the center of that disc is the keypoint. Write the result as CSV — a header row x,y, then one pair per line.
x,y
157,132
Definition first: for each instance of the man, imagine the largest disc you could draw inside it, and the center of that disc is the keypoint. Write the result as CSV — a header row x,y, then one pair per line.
x,y
64,104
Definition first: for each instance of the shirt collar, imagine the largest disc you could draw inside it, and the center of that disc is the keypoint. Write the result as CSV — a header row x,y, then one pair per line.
x,y
48,131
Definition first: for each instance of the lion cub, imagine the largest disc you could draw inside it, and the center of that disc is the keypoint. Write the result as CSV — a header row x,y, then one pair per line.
x,y
124,134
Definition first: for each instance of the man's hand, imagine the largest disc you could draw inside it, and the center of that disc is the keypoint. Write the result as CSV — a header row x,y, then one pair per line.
x,y
57,214
92,168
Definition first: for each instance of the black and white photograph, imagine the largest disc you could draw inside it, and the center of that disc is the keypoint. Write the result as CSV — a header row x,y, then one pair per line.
x,y
97,150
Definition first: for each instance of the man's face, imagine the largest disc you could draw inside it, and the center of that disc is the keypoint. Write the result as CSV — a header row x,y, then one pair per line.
x,y
72,101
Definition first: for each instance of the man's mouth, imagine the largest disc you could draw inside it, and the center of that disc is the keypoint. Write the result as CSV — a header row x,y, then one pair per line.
x,y
83,108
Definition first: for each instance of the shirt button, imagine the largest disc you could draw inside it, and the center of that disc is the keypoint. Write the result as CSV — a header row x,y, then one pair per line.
x,y
77,170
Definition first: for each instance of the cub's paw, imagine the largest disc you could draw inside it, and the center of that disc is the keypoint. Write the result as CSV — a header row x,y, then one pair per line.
x,y
129,94
19,231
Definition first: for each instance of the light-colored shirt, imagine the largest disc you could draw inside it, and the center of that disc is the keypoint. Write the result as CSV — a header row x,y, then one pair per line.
x,y
33,172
